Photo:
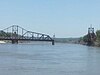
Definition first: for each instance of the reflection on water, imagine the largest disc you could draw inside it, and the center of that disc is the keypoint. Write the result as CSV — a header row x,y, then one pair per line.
x,y
60,59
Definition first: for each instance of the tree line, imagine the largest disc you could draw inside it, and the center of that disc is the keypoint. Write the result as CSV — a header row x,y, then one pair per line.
x,y
96,41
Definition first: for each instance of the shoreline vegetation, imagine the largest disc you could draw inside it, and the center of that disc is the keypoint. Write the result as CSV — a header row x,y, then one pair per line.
x,y
95,41
81,40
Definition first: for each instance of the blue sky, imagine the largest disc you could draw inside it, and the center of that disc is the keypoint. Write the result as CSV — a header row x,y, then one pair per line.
x,y
64,18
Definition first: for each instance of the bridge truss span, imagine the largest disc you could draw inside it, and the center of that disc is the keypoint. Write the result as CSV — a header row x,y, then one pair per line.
x,y
16,33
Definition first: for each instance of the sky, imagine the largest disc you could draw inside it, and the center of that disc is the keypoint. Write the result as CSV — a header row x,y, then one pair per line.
x,y
64,18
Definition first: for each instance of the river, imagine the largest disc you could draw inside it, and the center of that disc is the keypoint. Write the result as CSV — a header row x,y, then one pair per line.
x,y
46,59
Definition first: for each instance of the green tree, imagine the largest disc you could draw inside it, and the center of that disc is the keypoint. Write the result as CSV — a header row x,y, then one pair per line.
x,y
85,38
98,37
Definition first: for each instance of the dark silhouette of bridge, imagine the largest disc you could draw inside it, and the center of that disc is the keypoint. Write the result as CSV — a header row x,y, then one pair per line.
x,y
91,37
16,33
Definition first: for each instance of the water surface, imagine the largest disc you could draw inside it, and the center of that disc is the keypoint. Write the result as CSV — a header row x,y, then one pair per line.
x,y
38,59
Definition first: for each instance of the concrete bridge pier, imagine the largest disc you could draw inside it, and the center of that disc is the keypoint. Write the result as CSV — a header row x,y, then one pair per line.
x,y
14,41
53,42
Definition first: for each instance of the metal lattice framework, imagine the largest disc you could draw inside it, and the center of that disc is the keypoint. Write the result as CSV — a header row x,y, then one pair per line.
x,y
91,36
18,33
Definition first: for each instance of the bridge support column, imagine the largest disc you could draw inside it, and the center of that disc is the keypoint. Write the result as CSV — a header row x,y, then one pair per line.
x,y
14,41
53,42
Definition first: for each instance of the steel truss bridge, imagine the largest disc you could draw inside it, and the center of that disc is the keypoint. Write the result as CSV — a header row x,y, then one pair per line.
x,y
16,33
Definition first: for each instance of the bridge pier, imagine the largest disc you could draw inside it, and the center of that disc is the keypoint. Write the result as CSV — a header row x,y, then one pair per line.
x,y
14,41
53,42
91,36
